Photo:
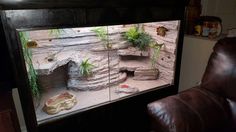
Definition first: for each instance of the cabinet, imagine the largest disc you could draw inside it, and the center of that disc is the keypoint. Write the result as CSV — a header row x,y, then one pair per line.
x,y
82,14
195,55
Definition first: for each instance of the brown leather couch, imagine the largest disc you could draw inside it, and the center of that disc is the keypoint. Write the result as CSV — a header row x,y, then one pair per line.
x,y
210,107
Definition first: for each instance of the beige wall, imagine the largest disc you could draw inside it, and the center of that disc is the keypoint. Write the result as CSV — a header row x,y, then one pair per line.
x,y
196,51
195,55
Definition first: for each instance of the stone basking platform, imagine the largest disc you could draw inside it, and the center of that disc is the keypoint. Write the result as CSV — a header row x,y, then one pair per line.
x,y
142,69
97,83
132,51
45,67
114,46
145,74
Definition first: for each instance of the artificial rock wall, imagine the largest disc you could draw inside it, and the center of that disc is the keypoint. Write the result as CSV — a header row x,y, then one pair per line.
x,y
73,46
167,56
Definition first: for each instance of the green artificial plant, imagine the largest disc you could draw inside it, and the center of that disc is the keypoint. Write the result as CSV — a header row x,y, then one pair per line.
x,y
132,35
143,40
85,68
32,74
156,51
102,33
138,38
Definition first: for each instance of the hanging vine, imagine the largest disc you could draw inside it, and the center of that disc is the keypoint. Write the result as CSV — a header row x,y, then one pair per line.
x,y
102,34
156,51
32,74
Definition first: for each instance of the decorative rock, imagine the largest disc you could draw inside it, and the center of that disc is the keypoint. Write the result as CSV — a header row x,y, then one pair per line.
x,y
166,60
63,101
121,45
114,46
173,25
100,73
166,74
132,65
132,51
44,66
124,88
97,84
161,31
170,36
145,74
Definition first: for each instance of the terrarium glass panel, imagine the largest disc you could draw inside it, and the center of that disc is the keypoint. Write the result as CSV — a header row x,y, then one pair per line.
x,y
146,52
73,69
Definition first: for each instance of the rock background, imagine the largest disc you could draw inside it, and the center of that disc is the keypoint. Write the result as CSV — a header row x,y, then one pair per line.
x,y
73,46
167,56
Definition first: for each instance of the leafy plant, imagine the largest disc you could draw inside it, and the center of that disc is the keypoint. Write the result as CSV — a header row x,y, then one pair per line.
x,y
132,34
143,41
85,68
32,74
156,47
138,38
101,32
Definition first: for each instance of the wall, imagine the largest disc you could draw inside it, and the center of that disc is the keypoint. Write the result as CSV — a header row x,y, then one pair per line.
x,y
196,50
225,9
195,55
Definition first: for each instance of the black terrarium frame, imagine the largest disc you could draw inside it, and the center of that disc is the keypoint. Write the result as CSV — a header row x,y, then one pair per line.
x,y
69,16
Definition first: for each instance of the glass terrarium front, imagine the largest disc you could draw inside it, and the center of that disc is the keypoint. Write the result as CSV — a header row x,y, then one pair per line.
x,y
77,68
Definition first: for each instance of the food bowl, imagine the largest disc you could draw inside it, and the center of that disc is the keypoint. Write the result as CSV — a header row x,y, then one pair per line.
x,y
60,102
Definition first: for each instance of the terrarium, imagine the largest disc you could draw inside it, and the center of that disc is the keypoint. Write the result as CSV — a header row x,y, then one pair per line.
x,y
93,65
81,64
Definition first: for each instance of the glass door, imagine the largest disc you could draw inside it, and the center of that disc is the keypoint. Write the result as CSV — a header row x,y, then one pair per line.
x,y
75,69
146,54
68,69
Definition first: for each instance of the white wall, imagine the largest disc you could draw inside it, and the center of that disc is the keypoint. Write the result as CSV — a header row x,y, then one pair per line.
x,y
225,9
196,50
195,55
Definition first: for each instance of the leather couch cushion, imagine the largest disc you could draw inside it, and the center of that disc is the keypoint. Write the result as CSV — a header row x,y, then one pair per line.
x,y
220,74
195,110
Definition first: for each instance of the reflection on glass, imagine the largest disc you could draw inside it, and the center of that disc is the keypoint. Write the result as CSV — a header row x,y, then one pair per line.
x,y
76,68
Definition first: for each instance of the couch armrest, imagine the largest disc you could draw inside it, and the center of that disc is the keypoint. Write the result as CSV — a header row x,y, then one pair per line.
x,y
194,110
